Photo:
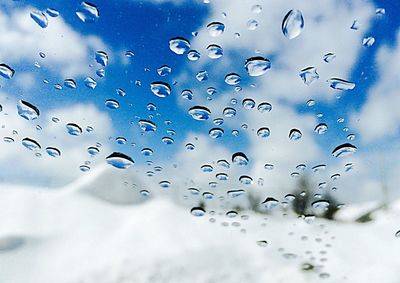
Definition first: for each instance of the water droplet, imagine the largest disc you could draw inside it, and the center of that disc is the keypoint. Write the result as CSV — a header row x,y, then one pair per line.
x,y
70,83
355,25
119,160
397,234
256,9
93,150
310,102
101,58
206,168
223,163
147,126
112,104
368,41
329,57
101,72
263,132
84,168
120,92
246,180
351,137
167,140
321,128
239,158
257,66
344,150
215,29
199,113
292,24
229,112
231,214
214,51
252,24
40,18
53,152
341,84
187,94
6,71
295,134
216,133
270,203
144,193
232,79
120,140
73,129
193,55
309,75
87,12
248,103
190,146
198,211
164,70
160,89
151,107
90,83
380,11
179,45
27,111
222,177
264,107
202,76
31,144
208,195
52,12
262,244
235,193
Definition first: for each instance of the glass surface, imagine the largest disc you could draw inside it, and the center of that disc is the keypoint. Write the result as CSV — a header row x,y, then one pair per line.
x,y
199,141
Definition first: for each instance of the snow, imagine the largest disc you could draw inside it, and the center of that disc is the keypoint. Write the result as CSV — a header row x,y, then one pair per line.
x,y
72,235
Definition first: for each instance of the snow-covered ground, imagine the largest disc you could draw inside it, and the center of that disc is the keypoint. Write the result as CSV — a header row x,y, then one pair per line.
x,y
73,235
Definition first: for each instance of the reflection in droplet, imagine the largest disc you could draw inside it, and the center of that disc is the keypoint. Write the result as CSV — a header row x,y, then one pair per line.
x,y
264,107
270,203
292,24
232,79
187,94
321,128
248,103
215,28
31,144
119,160
40,18
179,45
164,70
87,12
214,51
344,150
239,158
309,75
160,89
295,134
199,113
198,211
229,112
257,66
341,84
27,111
193,55
73,129
6,71
53,152
147,126
216,133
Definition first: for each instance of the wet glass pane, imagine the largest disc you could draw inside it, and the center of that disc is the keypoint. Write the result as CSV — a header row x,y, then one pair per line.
x,y
199,141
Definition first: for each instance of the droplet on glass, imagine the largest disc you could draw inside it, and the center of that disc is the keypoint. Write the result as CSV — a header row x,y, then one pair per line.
x,y
199,113
160,89
40,18
321,128
119,160
341,84
215,29
73,129
31,144
257,66
179,45
87,12
309,75
27,110
6,71
344,150
292,24
295,134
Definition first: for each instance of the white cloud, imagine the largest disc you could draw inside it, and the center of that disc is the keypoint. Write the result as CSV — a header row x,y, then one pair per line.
x,y
68,53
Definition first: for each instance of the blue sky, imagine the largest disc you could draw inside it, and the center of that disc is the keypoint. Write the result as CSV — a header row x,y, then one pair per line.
x,y
146,27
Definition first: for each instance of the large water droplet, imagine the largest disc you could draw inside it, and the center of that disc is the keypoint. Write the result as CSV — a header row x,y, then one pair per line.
x,y
198,211
344,150
216,133
6,71
199,113
31,144
40,18
215,28
232,79
74,129
239,158
147,126
248,103
179,45
292,24
87,12
341,84
27,111
321,128
214,51
263,132
264,107
257,66
119,160
102,58
53,152
309,75
270,203
295,134
160,89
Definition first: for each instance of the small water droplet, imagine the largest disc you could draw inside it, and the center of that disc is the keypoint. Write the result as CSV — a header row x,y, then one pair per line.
x,y
256,9
198,211
232,79
147,126
262,243
199,113
252,24
239,158
270,203
70,83
187,94
90,83
53,152
309,75
341,84
215,51
6,71
229,112
368,41
295,134
31,144
52,12
160,89
321,128
87,12
101,58
216,133
164,70
202,76
329,57
112,104
264,107
179,45
193,55
73,129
